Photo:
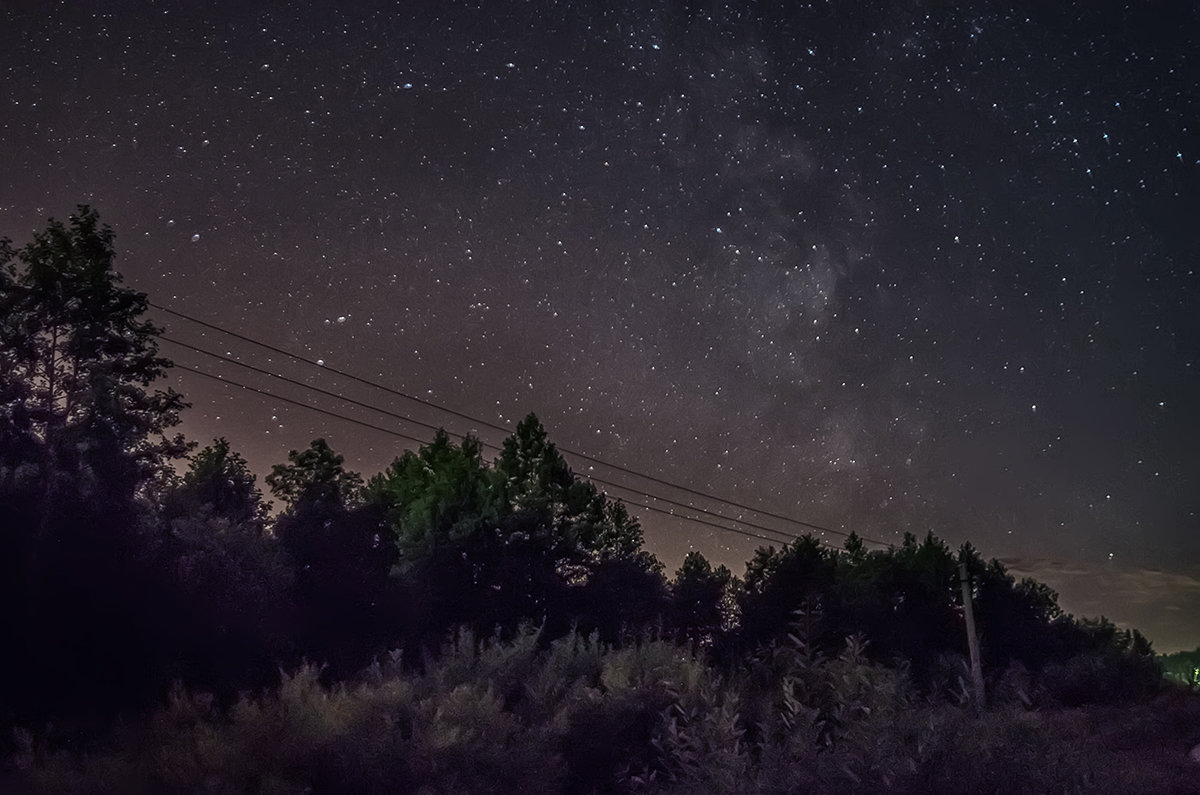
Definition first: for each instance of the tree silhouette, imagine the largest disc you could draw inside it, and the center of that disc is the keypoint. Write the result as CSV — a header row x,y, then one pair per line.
x,y
442,494
699,599
534,478
226,579
483,547
218,482
523,541
342,556
82,434
903,599
778,583
77,362
314,475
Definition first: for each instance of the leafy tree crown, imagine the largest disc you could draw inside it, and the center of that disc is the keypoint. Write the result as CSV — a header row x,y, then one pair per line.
x,y
77,359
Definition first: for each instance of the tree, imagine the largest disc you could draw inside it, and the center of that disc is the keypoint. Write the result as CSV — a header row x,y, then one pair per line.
x,y
218,482
905,601
535,479
778,583
700,599
314,475
227,583
82,435
341,555
76,364
525,540
1018,621
533,475
457,546
856,550
441,495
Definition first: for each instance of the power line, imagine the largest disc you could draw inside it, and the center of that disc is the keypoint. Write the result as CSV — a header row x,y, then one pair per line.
x,y
698,520
506,431
302,384
786,536
301,404
332,369
672,514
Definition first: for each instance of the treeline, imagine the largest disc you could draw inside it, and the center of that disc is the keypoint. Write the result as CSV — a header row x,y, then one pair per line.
x,y
123,578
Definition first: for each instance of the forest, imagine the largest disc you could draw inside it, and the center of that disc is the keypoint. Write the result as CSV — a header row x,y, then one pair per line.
x,y
454,624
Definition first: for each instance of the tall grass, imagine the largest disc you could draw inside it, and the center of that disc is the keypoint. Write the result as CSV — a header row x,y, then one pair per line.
x,y
575,716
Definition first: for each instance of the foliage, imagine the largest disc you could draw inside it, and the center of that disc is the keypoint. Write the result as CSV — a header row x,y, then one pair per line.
x,y
777,583
315,475
491,547
225,597
1108,665
576,716
486,717
1021,621
536,645
701,599
218,482
82,436
225,581
75,361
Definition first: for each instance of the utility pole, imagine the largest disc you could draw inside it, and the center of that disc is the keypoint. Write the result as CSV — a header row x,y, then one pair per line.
x,y
972,638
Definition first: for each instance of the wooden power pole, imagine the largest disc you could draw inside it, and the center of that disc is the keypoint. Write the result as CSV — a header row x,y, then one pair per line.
x,y
972,638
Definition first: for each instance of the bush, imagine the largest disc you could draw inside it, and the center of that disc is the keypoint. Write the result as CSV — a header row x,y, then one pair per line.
x,y
496,717
575,716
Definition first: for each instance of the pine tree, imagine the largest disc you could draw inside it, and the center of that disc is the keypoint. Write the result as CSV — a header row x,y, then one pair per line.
x,y
536,479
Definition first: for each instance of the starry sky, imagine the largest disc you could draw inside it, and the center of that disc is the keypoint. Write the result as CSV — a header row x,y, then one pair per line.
x,y
881,267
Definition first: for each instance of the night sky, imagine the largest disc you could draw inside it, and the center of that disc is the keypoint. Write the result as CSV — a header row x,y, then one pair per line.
x,y
876,266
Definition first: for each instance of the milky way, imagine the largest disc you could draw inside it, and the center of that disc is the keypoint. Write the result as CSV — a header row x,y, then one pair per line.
x,y
882,267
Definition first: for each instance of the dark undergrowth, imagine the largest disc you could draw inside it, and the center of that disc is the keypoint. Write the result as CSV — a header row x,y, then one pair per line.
x,y
575,716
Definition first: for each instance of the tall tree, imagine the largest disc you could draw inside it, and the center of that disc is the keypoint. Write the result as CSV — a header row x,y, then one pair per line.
x,y
81,434
525,540
778,583
341,557
535,479
533,475
437,497
701,599
443,516
226,584
76,362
